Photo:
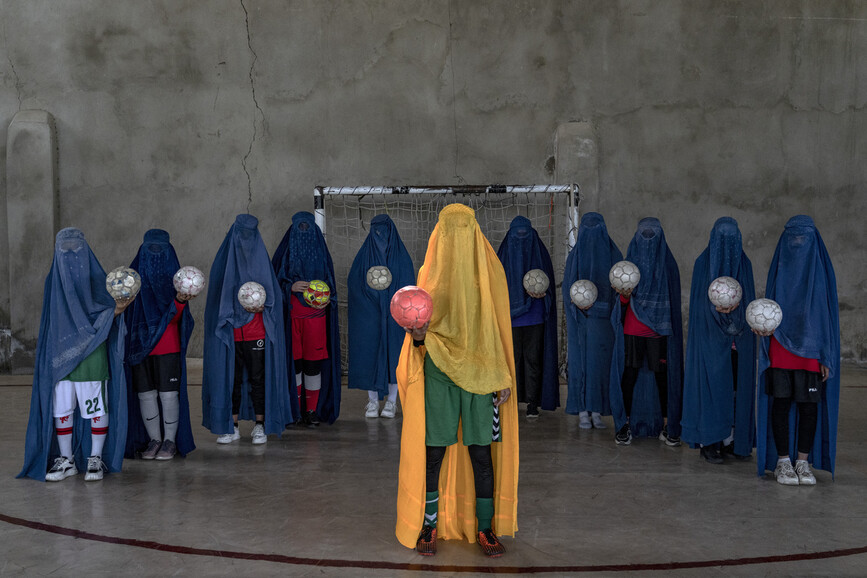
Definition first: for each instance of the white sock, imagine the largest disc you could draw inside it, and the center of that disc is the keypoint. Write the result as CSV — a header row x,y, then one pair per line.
x,y
171,413
299,379
64,442
392,392
729,439
150,411
785,459
313,382
96,443
372,396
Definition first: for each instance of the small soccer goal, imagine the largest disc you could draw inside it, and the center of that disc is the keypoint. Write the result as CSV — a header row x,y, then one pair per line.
x,y
344,214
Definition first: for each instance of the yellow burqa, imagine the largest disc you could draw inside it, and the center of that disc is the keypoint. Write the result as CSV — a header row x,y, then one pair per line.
x,y
470,340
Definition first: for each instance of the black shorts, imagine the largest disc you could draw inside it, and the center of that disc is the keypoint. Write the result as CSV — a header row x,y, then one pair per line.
x,y
637,350
160,372
799,384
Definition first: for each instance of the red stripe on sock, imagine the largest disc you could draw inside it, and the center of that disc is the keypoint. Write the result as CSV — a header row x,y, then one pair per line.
x,y
64,431
99,431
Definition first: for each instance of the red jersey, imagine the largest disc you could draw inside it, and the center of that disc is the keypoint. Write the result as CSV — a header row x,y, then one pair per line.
x,y
631,324
252,331
170,342
782,358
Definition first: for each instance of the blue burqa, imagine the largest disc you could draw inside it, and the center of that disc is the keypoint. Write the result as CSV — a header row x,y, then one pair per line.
x,y
303,256
656,303
147,319
243,257
710,405
591,339
77,316
801,279
522,250
375,340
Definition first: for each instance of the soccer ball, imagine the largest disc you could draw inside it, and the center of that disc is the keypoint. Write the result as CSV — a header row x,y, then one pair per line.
x,y
189,281
764,315
411,307
536,281
583,293
251,295
624,275
123,283
725,292
378,277
317,294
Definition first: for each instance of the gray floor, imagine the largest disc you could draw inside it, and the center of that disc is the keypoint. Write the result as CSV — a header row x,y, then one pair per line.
x,y
329,495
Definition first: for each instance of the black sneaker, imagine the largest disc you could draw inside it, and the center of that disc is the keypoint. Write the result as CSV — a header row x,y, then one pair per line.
x,y
491,545
623,437
711,454
426,545
532,410
311,420
729,450
672,441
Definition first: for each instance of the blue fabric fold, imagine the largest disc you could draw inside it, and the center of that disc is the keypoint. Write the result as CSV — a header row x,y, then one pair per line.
x,y
77,316
591,339
243,257
801,279
656,303
520,251
147,319
711,407
303,256
375,340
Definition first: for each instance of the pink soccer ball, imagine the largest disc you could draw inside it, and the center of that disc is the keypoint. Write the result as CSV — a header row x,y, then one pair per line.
x,y
411,307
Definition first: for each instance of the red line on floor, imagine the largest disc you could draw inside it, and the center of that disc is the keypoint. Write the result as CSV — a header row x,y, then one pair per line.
x,y
298,561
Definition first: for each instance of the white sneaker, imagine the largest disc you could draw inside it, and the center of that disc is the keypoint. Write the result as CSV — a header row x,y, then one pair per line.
x,y
230,437
785,474
598,422
584,420
372,409
805,476
259,436
389,409
61,470
95,467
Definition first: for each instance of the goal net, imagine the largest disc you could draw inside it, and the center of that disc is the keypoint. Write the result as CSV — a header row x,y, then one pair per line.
x,y
344,214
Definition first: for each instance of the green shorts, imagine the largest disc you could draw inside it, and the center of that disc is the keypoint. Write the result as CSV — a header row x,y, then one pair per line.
x,y
446,405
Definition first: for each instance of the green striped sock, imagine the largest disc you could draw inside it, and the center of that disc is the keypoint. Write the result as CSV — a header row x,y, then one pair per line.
x,y
484,512
431,506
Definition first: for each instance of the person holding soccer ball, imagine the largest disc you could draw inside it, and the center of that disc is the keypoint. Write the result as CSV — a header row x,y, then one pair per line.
x,y
456,378
312,331
79,365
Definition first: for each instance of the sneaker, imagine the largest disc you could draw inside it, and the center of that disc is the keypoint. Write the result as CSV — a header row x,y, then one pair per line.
x,y
532,411
711,454
785,473
311,420
61,470
598,422
259,436
229,437
729,450
490,544
95,467
426,545
672,441
151,452
389,409
805,476
584,420
167,450
623,437
371,409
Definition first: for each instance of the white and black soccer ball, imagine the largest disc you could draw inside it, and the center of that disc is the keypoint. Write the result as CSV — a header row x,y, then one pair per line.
x,y
536,281
379,277
725,292
624,275
583,293
764,315
251,295
123,283
189,281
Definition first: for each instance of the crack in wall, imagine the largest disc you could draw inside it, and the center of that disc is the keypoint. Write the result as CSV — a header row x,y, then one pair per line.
x,y
12,65
257,113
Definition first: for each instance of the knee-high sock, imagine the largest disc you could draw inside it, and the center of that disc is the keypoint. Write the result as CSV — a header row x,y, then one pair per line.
x,y
372,396
98,431
312,385
150,411
63,427
171,413
392,392
299,388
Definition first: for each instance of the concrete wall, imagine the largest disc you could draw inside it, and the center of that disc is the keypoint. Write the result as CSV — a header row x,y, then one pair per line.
x,y
180,115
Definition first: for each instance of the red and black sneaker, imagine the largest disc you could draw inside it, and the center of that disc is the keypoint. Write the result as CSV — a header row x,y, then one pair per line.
x,y
426,545
490,544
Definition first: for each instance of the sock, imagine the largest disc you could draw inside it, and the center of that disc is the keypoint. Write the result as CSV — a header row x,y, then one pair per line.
x,y
171,413
392,392
785,459
98,431
431,507
150,411
372,396
260,422
729,439
312,385
484,512
63,426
